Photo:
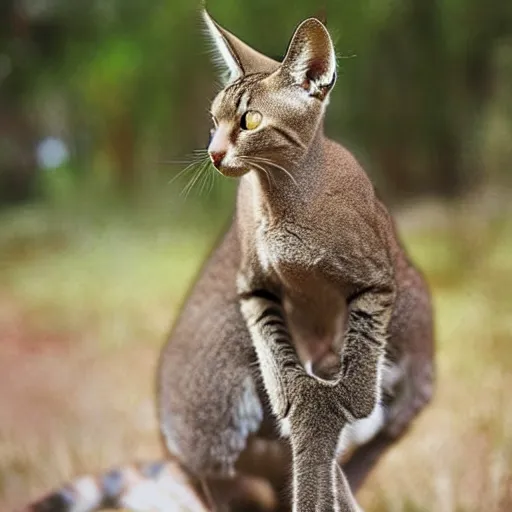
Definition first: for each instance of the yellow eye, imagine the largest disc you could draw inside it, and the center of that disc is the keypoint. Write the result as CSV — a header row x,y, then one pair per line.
x,y
251,120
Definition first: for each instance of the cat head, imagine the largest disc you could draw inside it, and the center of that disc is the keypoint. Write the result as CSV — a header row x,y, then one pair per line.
x,y
268,113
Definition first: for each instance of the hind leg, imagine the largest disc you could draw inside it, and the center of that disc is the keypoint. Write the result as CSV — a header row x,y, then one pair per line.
x,y
262,472
409,385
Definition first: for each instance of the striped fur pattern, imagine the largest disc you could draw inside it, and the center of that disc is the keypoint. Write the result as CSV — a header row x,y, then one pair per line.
x,y
155,487
164,487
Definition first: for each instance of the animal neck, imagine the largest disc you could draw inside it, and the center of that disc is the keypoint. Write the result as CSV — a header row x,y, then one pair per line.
x,y
277,191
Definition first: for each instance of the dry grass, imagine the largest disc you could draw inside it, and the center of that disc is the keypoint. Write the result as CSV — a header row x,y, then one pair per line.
x,y
85,306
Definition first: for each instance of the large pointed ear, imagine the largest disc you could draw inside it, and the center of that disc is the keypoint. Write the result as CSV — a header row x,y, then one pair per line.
x,y
310,60
239,58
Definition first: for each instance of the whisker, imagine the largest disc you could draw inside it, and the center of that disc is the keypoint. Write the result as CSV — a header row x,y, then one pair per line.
x,y
205,181
184,160
200,183
182,172
193,182
277,166
190,185
172,162
202,177
188,168
267,174
213,177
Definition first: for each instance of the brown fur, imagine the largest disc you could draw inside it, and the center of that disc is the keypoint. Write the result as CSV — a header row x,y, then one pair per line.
x,y
311,267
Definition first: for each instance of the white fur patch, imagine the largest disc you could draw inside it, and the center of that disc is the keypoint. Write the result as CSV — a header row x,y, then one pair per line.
x,y
308,366
285,427
148,496
89,492
361,431
224,55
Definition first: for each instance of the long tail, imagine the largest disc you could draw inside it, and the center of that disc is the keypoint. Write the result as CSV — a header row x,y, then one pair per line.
x,y
155,487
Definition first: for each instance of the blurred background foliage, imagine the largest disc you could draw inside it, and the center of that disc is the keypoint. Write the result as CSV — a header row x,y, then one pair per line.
x,y
423,95
102,104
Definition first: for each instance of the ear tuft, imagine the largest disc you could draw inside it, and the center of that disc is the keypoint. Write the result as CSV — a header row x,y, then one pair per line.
x,y
239,58
321,16
226,57
310,60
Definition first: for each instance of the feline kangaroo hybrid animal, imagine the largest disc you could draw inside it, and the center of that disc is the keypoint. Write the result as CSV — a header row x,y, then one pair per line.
x,y
310,275
308,315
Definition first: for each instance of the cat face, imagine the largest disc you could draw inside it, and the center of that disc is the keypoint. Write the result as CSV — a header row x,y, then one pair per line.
x,y
268,113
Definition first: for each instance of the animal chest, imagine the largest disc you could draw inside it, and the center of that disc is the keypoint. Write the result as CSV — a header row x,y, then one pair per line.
x,y
295,260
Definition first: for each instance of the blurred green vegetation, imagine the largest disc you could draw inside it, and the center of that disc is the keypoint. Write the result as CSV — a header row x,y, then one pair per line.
x,y
423,95
84,273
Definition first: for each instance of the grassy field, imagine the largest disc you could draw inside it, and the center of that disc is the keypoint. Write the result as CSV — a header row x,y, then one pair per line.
x,y
87,299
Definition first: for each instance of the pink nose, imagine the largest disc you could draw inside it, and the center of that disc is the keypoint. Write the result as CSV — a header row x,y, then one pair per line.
x,y
217,157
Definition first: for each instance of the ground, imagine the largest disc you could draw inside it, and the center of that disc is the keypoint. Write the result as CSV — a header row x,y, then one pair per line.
x,y
86,302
